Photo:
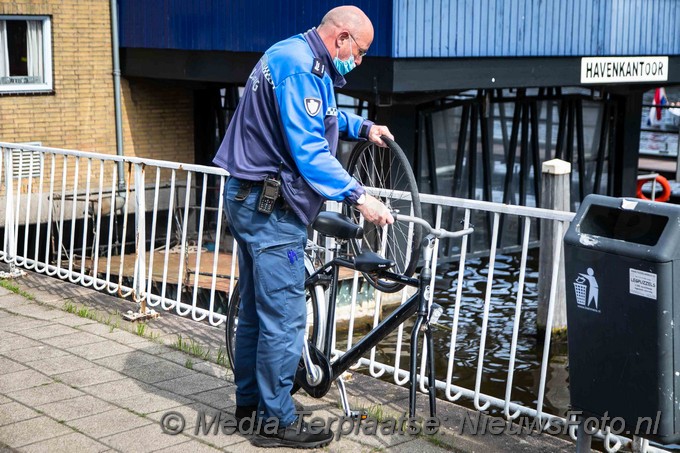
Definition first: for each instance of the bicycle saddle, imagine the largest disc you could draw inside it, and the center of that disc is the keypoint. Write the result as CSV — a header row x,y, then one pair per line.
x,y
337,225
368,261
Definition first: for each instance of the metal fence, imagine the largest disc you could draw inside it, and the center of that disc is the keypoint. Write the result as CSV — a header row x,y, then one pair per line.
x,y
160,239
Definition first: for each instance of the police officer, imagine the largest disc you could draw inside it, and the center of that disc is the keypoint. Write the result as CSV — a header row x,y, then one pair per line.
x,y
280,151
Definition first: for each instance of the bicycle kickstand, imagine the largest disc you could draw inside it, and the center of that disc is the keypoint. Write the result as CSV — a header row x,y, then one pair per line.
x,y
340,383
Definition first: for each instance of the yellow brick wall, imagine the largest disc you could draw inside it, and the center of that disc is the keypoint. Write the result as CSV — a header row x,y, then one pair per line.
x,y
157,119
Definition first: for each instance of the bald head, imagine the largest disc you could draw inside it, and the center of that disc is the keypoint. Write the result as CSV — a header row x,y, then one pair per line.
x,y
340,25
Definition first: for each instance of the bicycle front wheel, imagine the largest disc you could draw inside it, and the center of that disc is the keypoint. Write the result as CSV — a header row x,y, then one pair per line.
x,y
313,328
388,170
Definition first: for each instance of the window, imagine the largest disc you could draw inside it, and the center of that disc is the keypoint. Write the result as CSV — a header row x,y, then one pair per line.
x,y
25,54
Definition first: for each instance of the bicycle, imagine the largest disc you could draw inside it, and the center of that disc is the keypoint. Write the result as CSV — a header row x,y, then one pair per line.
x,y
316,372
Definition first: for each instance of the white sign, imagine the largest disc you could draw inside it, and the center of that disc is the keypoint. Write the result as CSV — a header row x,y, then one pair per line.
x,y
587,291
623,69
642,283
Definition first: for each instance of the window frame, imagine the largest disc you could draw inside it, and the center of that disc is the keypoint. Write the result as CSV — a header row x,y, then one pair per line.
x,y
48,84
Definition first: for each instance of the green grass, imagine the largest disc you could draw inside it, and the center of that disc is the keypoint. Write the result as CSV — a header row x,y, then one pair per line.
x,y
222,357
9,285
191,347
189,364
141,329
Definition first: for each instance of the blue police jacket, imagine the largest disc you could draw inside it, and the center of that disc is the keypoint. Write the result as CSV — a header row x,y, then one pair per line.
x,y
288,119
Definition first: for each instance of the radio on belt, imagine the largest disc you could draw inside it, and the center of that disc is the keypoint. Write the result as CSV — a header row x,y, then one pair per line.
x,y
270,193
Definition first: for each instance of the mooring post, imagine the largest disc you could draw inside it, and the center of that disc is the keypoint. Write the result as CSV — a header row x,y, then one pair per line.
x,y
555,196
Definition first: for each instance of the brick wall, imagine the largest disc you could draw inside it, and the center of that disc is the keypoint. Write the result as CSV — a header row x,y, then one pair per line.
x,y
157,119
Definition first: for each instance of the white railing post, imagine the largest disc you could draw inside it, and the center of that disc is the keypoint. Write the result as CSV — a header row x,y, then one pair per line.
x,y
10,242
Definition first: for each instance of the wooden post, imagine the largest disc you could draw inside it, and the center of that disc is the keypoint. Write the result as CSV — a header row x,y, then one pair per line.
x,y
555,195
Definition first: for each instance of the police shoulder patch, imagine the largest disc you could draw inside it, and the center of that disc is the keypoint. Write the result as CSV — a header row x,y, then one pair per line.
x,y
313,106
318,68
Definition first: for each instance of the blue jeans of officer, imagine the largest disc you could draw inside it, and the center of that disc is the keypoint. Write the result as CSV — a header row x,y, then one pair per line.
x,y
272,314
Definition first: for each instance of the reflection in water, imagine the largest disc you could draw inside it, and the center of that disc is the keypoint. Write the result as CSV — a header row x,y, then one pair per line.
x,y
499,334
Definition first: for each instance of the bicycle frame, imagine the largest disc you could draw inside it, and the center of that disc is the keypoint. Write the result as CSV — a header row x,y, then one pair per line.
x,y
417,303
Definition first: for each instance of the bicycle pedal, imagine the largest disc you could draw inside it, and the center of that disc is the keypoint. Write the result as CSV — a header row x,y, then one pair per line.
x,y
359,415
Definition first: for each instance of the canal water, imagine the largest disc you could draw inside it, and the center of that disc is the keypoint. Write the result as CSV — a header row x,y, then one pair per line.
x,y
529,354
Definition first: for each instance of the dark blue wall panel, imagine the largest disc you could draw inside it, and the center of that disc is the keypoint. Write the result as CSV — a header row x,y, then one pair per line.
x,y
520,28
236,25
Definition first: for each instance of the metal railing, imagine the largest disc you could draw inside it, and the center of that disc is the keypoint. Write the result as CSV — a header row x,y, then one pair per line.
x,y
72,221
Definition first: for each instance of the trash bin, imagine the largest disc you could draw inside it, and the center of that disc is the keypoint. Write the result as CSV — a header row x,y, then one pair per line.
x,y
622,271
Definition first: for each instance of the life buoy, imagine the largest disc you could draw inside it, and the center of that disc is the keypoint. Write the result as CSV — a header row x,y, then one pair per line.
x,y
665,194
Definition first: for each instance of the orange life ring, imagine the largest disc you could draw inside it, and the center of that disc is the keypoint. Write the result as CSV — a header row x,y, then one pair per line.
x,y
665,194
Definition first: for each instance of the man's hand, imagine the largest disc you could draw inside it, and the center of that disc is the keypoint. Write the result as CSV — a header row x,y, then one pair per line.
x,y
376,132
375,212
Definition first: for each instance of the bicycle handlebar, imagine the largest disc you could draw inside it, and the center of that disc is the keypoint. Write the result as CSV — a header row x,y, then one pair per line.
x,y
437,232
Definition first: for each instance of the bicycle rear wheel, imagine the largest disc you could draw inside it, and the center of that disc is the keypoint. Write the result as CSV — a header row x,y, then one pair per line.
x,y
313,329
388,170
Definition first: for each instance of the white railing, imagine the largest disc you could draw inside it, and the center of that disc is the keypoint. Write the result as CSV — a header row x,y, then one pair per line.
x,y
72,221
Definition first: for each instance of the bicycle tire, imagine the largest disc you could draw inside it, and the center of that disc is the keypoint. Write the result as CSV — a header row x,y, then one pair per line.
x,y
388,169
314,313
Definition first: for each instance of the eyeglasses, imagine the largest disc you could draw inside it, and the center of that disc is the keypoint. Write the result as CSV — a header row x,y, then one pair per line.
x,y
362,52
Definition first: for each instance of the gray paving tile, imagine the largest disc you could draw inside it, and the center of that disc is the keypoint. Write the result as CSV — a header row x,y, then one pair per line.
x,y
15,412
4,292
192,445
130,360
4,399
23,324
89,376
62,364
157,371
100,329
22,380
31,431
75,339
9,366
129,338
108,423
66,444
143,439
221,398
28,355
49,331
16,342
150,347
11,301
36,311
44,394
146,403
176,356
189,412
99,350
69,319
193,383
82,406
114,390
215,370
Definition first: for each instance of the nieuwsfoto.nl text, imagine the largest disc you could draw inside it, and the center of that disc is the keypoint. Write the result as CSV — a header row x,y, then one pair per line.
x,y
471,423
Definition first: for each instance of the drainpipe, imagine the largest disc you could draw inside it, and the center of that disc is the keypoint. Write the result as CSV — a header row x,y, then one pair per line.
x,y
116,91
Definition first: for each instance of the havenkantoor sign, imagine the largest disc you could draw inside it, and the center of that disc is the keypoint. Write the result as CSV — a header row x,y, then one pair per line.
x,y
623,69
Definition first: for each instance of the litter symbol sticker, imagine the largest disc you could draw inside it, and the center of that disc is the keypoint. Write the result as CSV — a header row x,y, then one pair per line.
x,y
642,283
587,291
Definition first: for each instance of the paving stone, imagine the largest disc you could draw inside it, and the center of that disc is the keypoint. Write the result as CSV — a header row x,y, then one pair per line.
x,y
75,339
151,348
100,329
99,350
4,291
31,431
222,398
128,338
28,355
72,320
62,364
114,390
11,301
15,412
44,394
4,399
146,403
190,412
74,408
191,384
9,366
143,439
22,380
192,445
176,356
215,370
129,360
158,371
36,311
53,330
16,342
66,444
109,423
23,324
89,376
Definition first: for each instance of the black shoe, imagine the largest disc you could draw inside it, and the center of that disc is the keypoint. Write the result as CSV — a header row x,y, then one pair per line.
x,y
245,412
297,435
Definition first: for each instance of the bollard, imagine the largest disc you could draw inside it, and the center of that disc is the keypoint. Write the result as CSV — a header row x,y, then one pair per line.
x,y
555,196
